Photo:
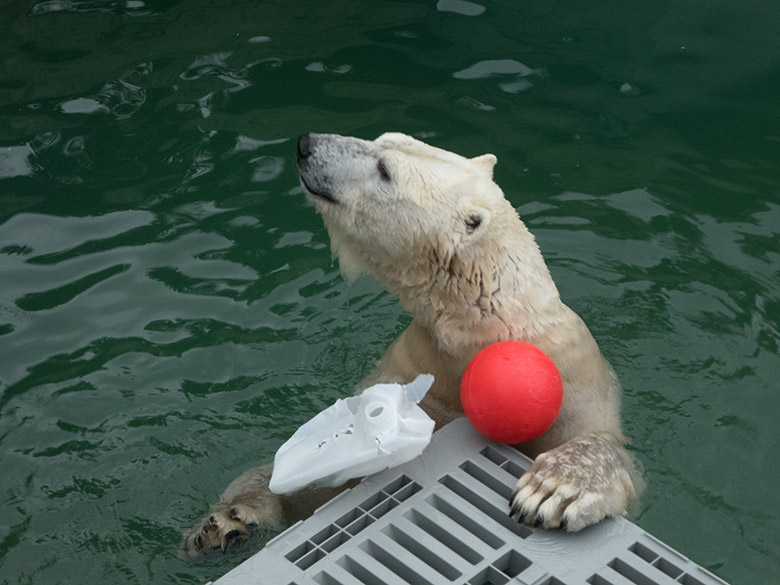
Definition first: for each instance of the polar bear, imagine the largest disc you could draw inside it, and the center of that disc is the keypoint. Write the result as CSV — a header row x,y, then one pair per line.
x,y
436,231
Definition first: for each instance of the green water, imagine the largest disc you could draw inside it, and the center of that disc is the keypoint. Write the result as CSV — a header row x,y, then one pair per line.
x,y
170,313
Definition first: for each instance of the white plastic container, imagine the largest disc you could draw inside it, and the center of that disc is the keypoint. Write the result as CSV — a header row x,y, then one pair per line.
x,y
382,427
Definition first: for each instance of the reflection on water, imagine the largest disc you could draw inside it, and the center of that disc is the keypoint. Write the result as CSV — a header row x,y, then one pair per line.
x,y
15,161
170,312
460,7
128,7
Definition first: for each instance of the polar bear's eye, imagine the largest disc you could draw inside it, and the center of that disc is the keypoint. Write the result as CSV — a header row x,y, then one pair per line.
x,y
383,170
473,222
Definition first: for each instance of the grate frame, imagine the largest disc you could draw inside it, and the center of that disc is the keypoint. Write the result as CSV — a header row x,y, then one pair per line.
x,y
442,519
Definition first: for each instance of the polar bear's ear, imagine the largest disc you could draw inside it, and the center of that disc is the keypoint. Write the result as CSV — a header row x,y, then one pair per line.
x,y
486,162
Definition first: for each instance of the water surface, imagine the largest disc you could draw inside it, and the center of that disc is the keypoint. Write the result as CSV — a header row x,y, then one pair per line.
x,y
170,312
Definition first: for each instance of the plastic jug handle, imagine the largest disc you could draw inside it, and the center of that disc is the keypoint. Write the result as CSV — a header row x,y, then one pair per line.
x,y
418,388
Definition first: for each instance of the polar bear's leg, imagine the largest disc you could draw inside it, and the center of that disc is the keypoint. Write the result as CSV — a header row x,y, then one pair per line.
x,y
576,484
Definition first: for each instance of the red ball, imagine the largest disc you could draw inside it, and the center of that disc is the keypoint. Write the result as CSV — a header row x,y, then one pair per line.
x,y
511,392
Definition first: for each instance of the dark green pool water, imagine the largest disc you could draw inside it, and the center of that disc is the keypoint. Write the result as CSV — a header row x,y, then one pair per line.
x,y
170,313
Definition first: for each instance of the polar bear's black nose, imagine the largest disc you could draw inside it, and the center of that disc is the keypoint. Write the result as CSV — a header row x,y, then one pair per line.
x,y
306,144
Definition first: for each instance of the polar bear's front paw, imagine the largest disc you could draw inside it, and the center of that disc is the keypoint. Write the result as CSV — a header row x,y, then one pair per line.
x,y
575,485
246,503
224,524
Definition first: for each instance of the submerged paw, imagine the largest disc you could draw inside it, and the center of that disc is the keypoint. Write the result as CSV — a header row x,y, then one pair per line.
x,y
215,533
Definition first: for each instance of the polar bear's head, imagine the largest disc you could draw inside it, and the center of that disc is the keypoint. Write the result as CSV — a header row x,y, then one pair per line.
x,y
391,201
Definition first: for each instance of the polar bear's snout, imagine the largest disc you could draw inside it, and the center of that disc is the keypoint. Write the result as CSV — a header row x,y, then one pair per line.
x,y
334,168
306,143
311,169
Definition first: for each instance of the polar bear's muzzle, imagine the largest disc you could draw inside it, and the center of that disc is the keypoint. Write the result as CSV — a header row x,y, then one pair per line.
x,y
306,144
307,170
